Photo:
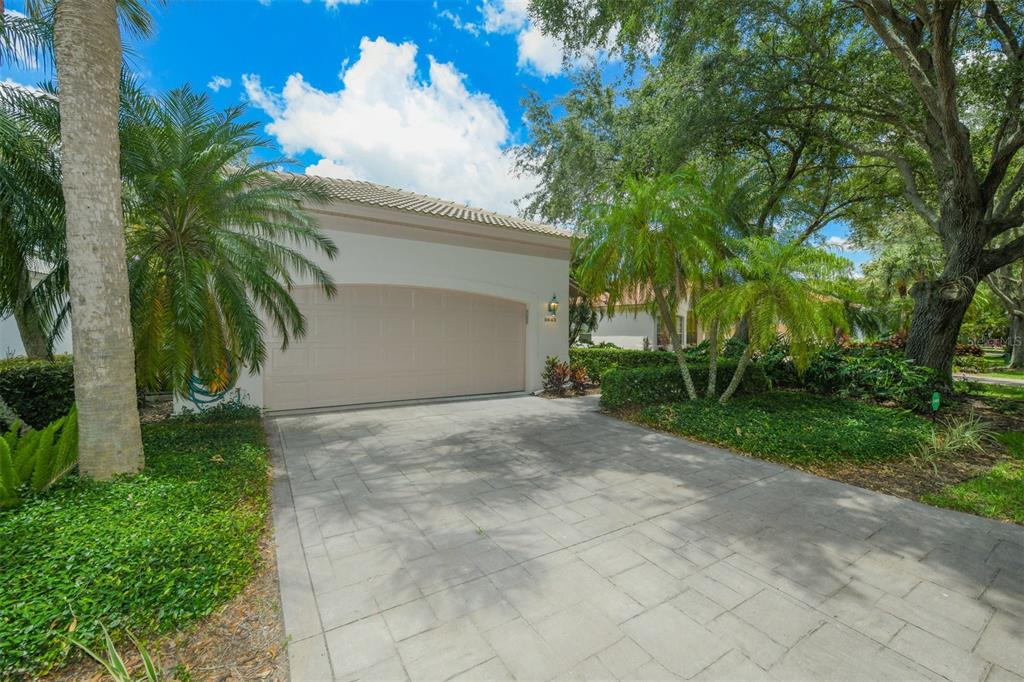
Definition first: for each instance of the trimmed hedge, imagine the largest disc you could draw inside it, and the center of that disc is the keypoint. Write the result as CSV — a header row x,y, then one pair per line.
x,y
40,391
597,361
653,385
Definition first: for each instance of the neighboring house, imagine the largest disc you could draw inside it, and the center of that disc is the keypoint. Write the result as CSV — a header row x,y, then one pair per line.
x,y
435,299
633,322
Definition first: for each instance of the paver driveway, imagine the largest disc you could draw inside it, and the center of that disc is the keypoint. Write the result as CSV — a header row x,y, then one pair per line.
x,y
533,539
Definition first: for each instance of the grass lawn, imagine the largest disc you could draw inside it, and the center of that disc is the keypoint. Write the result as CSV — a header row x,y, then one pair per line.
x,y
998,494
795,427
984,390
148,554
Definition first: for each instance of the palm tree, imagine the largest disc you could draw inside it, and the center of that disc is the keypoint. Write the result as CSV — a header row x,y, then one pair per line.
x,y
649,243
210,239
87,52
31,214
780,285
733,192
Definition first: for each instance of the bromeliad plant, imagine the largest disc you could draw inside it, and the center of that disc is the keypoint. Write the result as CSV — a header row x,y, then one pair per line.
x,y
787,285
35,460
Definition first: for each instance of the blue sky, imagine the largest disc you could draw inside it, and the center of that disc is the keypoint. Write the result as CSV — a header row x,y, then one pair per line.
x,y
417,94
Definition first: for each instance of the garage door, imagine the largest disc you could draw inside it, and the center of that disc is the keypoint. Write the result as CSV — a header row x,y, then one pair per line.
x,y
381,343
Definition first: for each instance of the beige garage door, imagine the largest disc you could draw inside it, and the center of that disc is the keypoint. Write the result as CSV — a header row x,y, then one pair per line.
x,y
379,343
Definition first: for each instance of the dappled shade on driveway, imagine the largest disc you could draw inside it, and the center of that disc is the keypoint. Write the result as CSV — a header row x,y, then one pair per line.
x,y
533,539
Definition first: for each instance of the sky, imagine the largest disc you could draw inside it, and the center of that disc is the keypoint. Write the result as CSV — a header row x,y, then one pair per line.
x,y
424,95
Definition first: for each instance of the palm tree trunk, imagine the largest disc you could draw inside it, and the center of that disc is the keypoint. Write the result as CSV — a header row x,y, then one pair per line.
x,y
30,327
737,376
87,50
667,320
713,358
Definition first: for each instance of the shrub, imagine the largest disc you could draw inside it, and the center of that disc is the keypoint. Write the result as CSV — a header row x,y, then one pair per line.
x,y
599,360
554,375
39,391
579,380
795,427
873,374
147,554
778,366
651,385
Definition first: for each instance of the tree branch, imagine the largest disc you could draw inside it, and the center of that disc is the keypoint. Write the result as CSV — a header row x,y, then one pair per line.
x,y
993,259
1008,303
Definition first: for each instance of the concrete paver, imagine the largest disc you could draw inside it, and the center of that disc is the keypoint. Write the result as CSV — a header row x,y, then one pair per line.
x,y
529,539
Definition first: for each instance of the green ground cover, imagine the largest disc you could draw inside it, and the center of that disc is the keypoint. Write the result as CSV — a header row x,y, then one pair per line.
x,y
147,554
795,427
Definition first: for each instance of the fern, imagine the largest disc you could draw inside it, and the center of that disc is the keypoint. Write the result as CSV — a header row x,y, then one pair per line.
x,y
38,458
9,481
24,454
42,464
66,451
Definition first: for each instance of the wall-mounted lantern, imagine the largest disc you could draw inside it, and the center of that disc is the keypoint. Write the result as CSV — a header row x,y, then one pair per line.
x,y
552,315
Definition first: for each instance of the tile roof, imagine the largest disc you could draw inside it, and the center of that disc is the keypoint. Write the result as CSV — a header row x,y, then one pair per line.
x,y
360,192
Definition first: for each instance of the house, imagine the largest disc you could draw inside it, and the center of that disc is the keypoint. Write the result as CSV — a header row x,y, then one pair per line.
x,y
633,322
435,299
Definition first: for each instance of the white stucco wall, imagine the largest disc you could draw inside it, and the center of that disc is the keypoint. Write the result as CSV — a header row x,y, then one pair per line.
x,y
627,329
367,258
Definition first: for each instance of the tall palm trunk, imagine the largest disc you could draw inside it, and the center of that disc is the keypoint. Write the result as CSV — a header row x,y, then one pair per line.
x,y
713,357
667,320
30,326
737,376
87,49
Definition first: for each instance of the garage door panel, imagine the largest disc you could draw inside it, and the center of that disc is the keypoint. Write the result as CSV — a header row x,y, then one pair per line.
x,y
380,343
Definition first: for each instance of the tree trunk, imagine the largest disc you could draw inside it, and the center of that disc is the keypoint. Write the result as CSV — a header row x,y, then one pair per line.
x,y
87,50
30,327
667,321
940,304
737,376
33,336
1017,342
939,309
742,332
713,358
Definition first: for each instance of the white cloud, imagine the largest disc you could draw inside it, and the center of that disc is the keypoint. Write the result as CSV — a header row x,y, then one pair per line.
x,y
218,82
458,23
837,242
539,53
11,83
331,4
505,16
388,125
544,54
